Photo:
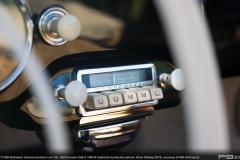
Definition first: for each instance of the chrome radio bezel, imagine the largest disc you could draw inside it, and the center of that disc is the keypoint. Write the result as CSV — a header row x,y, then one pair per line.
x,y
153,82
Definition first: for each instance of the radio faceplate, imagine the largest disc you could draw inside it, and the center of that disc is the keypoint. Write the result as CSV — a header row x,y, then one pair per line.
x,y
149,79
115,78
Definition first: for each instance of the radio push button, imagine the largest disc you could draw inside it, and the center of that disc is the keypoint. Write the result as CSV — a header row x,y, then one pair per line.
x,y
156,93
114,98
128,96
96,101
142,94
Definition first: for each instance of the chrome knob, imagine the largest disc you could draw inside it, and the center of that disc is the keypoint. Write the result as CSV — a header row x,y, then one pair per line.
x,y
57,27
175,79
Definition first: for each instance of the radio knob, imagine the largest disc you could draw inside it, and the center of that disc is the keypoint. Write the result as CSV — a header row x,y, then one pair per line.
x,y
75,93
175,79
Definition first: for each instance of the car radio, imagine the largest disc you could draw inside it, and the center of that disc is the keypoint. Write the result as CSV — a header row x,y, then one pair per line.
x,y
119,88
116,100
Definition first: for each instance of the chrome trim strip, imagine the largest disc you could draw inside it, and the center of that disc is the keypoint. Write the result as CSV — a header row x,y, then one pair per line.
x,y
96,119
116,109
29,32
122,86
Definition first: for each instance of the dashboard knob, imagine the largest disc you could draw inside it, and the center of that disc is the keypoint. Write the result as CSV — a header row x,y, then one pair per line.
x,y
68,27
175,79
75,93
57,27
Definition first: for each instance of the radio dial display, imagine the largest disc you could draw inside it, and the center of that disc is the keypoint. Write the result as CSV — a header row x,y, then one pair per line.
x,y
117,77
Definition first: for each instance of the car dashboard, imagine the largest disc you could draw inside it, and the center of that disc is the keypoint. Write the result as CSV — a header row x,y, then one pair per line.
x,y
112,56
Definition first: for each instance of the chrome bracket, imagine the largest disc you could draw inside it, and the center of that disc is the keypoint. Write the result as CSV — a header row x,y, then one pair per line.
x,y
103,137
57,93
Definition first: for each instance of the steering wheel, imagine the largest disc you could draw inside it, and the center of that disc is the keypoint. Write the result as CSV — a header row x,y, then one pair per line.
x,y
192,49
